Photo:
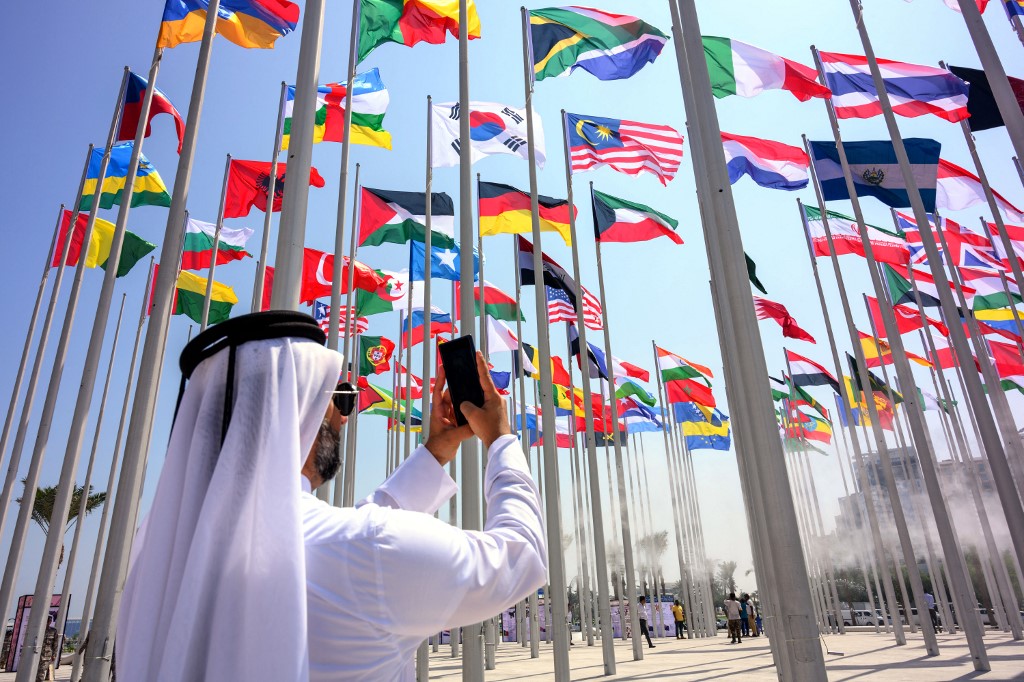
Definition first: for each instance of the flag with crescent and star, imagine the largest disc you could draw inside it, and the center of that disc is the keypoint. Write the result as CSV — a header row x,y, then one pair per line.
x,y
626,146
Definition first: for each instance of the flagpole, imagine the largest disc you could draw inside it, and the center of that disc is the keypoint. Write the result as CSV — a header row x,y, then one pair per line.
x,y
687,495
31,480
427,324
1009,297
575,477
348,479
882,565
678,483
204,321
705,615
261,267
1020,169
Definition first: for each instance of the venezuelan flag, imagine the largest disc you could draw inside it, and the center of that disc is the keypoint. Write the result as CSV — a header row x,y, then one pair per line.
x,y
246,23
149,189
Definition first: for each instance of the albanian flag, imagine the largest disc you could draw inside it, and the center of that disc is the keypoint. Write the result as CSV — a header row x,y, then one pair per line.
x,y
249,182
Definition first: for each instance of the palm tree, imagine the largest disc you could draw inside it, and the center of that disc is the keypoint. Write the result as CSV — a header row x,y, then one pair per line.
x,y
42,507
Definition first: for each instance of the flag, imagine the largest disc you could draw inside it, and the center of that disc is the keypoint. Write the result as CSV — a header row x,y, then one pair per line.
x,y
740,69
851,410
629,388
807,372
1007,359
246,23
322,315
556,278
500,337
913,90
770,164
394,295
878,386
878,352
398,217
405,376
907,319
1016,235
526,361
637,417
190,292
597,366
249,182
897,278
149,189
503,209
1014,8
318,272
929,401
626,146
619,220
981,103
440,322
886,246
369,105
493,129
133,249
622,369
752,274
374,399
955,5
134,93
770,309
445,262
683,379
198,249
988,288
408,22
704,429
605,45
959,189
375,354
966,248
813,429
497,303
1001,320
690,391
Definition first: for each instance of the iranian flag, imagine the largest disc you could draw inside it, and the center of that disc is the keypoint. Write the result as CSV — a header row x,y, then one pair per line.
x,y
989,293
958,189
886,246
619,220
199,238
683,379
740,69
397,217
807,372
497,303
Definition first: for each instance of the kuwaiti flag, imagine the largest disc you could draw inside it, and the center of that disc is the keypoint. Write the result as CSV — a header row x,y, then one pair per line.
x,y
619,220
807,372
913,90
493,129
876,172
199,236
740,69
398,217
886,246
770,164
959,189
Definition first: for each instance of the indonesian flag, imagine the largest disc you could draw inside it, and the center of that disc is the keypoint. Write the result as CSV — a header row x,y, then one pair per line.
x,y
807,372
959,189
770,164
776,311
318,271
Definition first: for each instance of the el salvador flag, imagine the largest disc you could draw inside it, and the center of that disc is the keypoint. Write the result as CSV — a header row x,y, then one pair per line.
x,y
444,262
876,172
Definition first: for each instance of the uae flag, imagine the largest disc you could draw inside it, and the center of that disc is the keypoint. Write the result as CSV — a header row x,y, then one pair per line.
x,y
249,182
886,246
685,381
807,372
398,217
619,220
199,237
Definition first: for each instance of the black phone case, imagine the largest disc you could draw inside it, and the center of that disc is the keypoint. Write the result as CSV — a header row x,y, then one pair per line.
x,y
459,359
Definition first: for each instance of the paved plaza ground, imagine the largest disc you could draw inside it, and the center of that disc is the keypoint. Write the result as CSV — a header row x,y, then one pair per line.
x,y
867,656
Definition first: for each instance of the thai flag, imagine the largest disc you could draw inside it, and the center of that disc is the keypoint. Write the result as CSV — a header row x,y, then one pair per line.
x,y
913,90
770,164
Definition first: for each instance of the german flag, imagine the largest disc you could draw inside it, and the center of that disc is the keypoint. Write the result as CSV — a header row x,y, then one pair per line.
x,y
506,210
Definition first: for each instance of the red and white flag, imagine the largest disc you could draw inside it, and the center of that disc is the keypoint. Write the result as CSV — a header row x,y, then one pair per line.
x,y
958,189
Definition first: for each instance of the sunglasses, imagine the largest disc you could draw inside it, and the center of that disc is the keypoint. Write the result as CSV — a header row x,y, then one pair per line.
x,y
344,398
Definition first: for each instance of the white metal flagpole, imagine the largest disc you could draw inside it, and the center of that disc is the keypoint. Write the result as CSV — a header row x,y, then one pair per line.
x,y
261,268
216,243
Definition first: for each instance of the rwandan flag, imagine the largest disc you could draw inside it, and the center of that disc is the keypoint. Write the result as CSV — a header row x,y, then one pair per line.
x,y
149,189
246,23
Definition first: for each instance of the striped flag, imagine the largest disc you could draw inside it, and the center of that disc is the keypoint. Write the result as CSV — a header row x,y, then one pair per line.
x,y
626,146
322,314
770,164
560,309
555,277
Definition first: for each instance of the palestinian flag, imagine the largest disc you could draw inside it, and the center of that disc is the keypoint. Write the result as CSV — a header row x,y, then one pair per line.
x,y
133,248
806,372
408,22
506,210
190,292
135,92
375,354
397,217
369,104
249,182
149,188
618,220
740,69
497,304
198,249
887,247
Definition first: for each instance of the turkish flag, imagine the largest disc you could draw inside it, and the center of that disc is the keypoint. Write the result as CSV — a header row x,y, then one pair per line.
x,y
318,270
249,182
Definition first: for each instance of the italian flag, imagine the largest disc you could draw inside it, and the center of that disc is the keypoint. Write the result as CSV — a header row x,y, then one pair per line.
x,y
683,380
190,292
886,246
619,220
133,248
369,104
408,22
199,238
397,217
740,69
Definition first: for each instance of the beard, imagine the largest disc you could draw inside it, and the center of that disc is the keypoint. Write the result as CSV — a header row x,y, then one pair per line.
x,y
328,458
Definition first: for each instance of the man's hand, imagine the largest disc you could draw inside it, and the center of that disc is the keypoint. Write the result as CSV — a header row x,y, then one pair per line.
x,y
489,422
445,435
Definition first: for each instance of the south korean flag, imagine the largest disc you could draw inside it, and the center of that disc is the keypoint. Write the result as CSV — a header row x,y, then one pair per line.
x,y
493,128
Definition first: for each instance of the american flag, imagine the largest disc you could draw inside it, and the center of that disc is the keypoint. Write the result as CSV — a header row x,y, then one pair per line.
x,y
322,314
560,308
629,147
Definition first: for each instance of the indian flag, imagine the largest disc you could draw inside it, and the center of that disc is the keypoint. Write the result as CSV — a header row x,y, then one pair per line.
x,y
199,237
674,367
740,69
619,220
369,104
189,295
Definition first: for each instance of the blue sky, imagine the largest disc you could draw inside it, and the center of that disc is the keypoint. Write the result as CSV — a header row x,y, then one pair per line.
x,y
64,67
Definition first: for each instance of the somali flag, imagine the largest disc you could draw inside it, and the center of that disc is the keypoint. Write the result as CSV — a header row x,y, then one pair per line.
x,y
445,262
876,172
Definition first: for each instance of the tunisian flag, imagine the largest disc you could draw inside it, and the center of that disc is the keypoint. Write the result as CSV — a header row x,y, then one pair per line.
x,y
248,183
776,311
317,271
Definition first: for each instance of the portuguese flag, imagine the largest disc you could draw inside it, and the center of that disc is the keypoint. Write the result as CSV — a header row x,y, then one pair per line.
x,y
683,379
133,249
408,22
374,354
198,249
740,69
497,303
506,210
618,220
397,217
369,104
190,292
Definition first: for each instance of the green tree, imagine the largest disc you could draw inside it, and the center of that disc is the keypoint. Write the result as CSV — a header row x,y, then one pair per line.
x,y
42,507
726,577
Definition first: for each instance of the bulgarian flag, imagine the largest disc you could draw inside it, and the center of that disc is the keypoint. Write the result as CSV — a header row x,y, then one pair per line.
x,y
133,248
369,104
886,246
189,293
408,22
398,217
683,379
619,220
497,304
199,238
740,69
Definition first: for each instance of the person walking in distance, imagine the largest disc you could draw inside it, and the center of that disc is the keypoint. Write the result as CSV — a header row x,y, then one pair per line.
x,y
732,613
677,615
744,623
642,615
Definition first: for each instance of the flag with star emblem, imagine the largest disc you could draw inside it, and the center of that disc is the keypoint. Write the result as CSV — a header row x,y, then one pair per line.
x,y
375,354
322,315
444,262
629,147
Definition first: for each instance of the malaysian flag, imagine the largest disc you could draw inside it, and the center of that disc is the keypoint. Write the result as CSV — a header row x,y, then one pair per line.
x,y
555,277
561,309
627,146
322,314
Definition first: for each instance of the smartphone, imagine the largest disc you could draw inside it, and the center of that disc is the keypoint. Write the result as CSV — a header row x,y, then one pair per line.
x,y
458,357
